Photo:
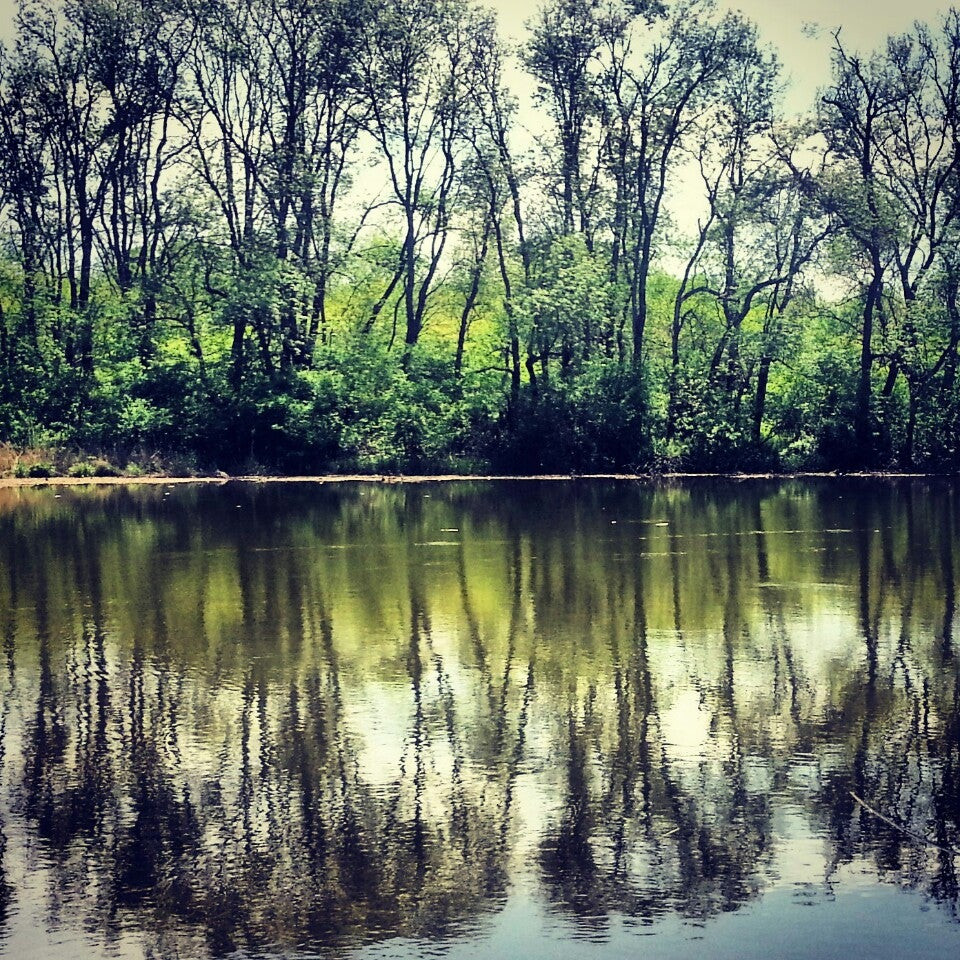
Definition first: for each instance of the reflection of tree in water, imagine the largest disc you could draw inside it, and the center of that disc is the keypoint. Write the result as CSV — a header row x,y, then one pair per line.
x,y
633,836
6,689
705,849
284,841
900,718
202,741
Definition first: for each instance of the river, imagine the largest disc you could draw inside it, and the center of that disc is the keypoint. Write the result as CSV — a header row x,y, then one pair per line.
x,y
538,719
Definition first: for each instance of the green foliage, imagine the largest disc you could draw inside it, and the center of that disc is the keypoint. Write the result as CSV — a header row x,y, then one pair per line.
x,y
571,305
34,470
598,421
363,405
214,305
713,432
812,411
93,467
404,420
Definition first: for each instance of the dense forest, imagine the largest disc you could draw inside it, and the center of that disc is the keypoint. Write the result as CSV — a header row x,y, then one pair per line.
x,y
305,235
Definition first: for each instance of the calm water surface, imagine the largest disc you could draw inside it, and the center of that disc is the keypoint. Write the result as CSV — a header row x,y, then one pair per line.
x,y
531,719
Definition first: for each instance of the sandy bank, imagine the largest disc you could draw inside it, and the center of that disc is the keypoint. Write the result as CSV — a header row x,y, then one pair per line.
x,y
448,478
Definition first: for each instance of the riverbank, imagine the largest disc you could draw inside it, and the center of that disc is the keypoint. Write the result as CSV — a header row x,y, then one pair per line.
x,y
158,480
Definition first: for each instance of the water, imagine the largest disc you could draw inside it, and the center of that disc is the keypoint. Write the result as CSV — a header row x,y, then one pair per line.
x,y
531,719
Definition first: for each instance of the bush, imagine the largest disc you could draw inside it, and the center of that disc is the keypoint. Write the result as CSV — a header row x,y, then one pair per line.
x,y
93,467
598,422
37,470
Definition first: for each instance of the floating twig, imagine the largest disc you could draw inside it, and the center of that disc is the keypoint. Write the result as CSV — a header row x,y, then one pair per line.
x,y
899,826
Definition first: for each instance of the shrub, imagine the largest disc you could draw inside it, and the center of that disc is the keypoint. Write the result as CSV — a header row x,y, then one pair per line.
x,y
36,470
93,467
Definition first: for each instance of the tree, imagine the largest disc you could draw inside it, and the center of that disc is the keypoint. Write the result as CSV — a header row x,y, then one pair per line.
x,y
413,69
314,112
490,139
653,94
563,45
855,114
757,236
24,180
920,165
890,127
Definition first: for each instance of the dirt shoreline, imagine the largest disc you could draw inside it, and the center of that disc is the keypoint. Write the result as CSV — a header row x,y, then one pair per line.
x,y
7,482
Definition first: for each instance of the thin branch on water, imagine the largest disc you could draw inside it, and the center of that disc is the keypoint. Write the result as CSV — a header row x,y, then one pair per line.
x,y
902,829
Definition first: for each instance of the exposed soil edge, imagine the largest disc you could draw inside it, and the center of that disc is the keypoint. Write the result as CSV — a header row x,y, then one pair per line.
x,y
448,478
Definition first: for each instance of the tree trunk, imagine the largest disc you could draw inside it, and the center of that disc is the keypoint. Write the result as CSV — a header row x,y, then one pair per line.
x,y
410,263
639,304
760,402
471,300
862,427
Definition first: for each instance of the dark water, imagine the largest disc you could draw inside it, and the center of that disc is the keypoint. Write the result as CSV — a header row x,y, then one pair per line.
x,y
478,720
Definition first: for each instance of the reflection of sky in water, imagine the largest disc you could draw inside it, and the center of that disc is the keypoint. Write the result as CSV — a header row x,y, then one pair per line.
x,y
596,736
